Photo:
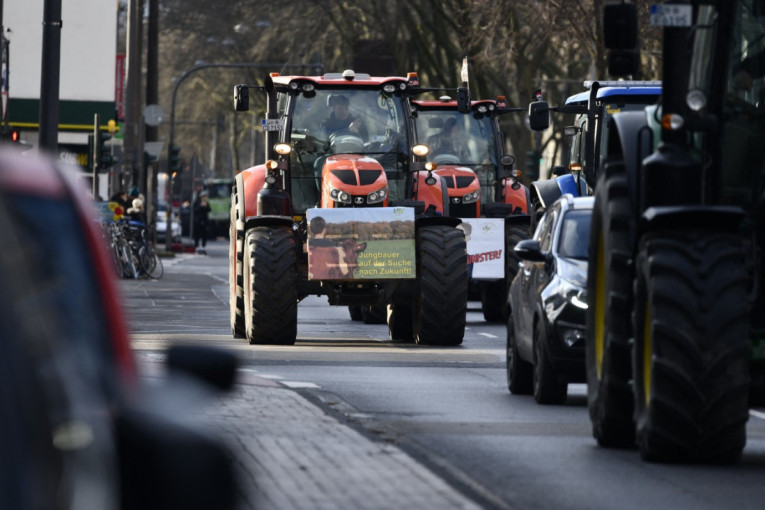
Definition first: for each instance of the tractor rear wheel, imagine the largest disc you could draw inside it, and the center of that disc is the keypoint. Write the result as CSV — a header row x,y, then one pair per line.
x,y
609,287
235,273
374,314
494,295
442,283
691,351
270,284
400,322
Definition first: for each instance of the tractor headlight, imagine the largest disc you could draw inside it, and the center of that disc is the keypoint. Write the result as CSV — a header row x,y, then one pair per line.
x,y
471,197
377,196
339,195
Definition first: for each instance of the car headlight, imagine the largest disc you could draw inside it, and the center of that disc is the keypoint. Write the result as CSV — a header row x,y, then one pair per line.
x,y
574,294
377,196
339,195
471,197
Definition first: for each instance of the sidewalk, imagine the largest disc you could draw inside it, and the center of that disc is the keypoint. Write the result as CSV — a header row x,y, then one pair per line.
x,y
295,454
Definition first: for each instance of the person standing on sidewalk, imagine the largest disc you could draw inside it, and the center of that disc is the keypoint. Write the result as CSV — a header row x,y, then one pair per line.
x,y
201,217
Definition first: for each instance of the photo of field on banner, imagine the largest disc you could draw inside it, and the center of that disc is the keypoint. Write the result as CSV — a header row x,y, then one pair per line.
x,y
361,244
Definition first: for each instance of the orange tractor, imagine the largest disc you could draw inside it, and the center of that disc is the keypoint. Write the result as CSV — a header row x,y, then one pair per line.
x,y
344,206
468,148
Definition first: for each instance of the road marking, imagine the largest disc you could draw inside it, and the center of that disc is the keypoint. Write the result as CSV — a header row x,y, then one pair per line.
x,y
488,335
757,414
299,384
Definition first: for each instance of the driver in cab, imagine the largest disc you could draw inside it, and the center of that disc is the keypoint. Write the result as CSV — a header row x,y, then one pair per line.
x,y
341,119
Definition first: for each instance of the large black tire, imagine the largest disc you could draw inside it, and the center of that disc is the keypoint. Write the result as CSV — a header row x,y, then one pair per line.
x,y
442,282
400,322
691,359
519,371
270,282
355,312
374,314
609,287
494,294
235,264
548,389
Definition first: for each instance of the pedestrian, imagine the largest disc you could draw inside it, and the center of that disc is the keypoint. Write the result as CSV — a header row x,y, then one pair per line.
x,y
201,217
121,198
136,212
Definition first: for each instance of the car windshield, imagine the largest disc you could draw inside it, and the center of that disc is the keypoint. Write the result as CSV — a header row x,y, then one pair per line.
x,y
575,234
456,138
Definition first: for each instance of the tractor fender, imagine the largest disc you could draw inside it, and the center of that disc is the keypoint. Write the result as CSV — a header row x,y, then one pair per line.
x,y
548,190
267,221
249,182
635,143
718,218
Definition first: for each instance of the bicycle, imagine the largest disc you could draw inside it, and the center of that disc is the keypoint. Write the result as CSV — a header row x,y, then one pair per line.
x,y
146,261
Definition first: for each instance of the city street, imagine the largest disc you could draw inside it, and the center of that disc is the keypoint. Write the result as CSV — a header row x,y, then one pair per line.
x,y
347,419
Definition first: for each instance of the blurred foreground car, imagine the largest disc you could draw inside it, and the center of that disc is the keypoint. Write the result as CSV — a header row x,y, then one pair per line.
x,y
175,224
547,304
78,431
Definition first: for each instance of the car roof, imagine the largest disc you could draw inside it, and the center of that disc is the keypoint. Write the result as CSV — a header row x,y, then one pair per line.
x,y
568,202
613,91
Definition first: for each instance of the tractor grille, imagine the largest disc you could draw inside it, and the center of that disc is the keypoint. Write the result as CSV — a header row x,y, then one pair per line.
x,y
346,176
369,176
463,181
358,201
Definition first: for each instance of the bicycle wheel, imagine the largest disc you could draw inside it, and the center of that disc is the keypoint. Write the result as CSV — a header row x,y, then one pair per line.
x,y
156,269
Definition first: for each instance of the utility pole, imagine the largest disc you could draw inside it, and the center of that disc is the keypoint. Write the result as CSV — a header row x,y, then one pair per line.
x,y
133,136
50,76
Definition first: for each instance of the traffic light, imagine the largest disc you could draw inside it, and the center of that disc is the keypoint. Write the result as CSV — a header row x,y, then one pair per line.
x,y
533,159
174,158
104,154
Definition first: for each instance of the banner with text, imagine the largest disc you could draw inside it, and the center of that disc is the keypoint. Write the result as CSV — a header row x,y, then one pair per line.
x,y
361,244
485,246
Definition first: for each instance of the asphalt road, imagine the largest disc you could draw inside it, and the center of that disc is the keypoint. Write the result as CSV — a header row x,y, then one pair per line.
x,y
446,408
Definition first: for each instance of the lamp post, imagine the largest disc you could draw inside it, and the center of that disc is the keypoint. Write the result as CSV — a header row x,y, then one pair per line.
x,y
171,143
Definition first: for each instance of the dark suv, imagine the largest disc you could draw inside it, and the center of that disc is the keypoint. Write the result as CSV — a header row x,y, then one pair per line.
x,y
547,304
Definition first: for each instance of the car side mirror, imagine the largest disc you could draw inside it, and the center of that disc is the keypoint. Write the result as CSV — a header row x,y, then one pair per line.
x,y
529,249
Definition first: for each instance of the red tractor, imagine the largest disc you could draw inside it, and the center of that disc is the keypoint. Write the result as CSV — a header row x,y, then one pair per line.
x,y
343,207
468,147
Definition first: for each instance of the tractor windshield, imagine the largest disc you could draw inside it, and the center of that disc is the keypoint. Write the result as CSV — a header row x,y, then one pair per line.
x,y
459,139
345,121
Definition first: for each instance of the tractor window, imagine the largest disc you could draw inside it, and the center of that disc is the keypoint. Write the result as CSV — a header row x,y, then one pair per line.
x,y
743,133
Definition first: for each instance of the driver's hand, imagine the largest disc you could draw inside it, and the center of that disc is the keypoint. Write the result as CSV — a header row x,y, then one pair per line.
x,y
355,126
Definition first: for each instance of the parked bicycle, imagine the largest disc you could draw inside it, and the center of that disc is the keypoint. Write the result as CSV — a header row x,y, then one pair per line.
x,y
132,252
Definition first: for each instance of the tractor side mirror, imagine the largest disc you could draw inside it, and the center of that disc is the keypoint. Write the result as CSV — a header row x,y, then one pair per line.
x,y
539,115
241,98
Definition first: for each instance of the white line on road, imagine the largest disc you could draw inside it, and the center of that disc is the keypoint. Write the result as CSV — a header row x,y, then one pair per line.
x,y
299,384
489,335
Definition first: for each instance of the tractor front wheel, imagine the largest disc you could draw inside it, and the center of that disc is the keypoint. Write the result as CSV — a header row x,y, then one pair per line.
x,y
691,351
441,301
270,286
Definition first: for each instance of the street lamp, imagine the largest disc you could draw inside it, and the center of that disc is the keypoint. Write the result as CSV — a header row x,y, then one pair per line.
x,y
198,67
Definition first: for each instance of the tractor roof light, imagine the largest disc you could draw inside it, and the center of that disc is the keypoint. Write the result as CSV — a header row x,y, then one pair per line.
x,y
349,74
294,85
272,165
517,173
575,167
445,99
696,100
420,150
672,122
482,109
430,166
308,87
282,149
389,88
270,178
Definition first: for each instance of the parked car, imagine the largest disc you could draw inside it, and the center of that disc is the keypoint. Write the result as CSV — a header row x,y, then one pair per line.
x,y
547,304
78,429
175,224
